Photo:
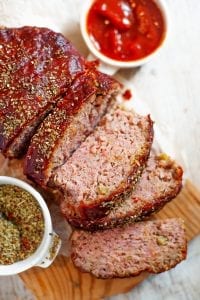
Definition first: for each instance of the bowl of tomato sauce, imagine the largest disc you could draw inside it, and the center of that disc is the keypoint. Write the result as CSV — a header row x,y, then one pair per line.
x,y
124,33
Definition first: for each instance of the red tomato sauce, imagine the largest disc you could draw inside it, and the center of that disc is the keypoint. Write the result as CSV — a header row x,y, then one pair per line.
x,y
127,95
125,30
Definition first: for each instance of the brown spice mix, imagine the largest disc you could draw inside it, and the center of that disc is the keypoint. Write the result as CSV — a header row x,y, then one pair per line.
x,y
21,224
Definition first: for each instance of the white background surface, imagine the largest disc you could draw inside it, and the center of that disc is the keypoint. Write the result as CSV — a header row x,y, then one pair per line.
x,y
170,85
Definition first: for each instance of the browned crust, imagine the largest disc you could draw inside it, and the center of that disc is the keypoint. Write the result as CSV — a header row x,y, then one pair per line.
x,y
92,212
101,224
46,140
104,205
20,144
44,64
132,216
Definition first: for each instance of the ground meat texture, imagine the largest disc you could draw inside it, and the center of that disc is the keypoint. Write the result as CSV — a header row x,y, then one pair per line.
x,y
36,67
106,165
153,246
73,119
160,182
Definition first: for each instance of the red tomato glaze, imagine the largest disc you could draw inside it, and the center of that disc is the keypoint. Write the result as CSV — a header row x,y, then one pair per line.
x,y
125,30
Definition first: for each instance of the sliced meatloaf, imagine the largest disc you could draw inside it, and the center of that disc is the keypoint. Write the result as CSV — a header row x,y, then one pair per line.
x,y
159,183
36,67
72,120
153,246
106,165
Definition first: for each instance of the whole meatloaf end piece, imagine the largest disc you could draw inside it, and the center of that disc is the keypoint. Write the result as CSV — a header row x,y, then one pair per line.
x,y
36,67
72,120
152,246
159,183
105,167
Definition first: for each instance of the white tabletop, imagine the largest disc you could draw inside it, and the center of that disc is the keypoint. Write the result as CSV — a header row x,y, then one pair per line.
x,y
170,85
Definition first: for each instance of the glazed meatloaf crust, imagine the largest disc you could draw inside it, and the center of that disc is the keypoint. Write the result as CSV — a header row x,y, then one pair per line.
x,y
153,246
73,119
106,165
159,183
36,67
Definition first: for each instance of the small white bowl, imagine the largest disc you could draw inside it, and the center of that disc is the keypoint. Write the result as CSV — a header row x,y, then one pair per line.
x,y
41,257
110,65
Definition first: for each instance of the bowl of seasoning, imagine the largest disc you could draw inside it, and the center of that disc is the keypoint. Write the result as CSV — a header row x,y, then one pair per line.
x,y
124,33
26,235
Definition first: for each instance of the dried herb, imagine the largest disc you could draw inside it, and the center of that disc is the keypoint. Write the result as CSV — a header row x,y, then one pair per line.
x,y
54,247
9,242
20,214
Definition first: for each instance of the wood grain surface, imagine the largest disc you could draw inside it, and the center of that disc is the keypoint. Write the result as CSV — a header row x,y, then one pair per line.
x,y
63,281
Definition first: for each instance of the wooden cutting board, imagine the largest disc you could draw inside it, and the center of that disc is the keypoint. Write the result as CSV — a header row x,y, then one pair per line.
x,y
63,281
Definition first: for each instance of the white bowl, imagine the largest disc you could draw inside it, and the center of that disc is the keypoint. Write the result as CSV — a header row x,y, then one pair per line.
x,y
115,64
41,257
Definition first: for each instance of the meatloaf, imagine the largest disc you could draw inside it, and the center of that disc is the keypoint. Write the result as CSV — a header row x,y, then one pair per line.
x,y
160,182
105,167
37,65
72,120
153,246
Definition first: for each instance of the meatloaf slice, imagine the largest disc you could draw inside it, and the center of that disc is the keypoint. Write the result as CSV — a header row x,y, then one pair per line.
x,y
153,246
159,183
36,67
73,119
106,165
